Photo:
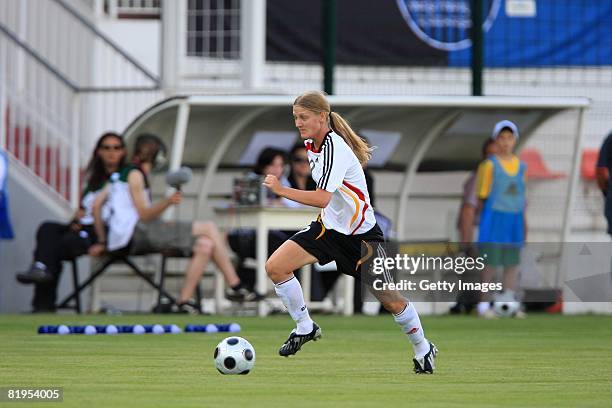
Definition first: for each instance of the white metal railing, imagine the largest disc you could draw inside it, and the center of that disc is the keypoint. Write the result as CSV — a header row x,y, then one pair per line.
x,y
73,45
63,82
34,132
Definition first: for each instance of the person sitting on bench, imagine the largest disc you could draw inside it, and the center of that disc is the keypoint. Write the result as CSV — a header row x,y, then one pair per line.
x,y
135,225
59,241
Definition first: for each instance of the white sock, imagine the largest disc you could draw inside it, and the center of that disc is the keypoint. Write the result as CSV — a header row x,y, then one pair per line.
x,y
483,307
290,292
408,320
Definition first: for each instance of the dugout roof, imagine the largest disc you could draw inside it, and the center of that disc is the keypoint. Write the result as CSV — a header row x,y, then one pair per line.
x,y
435,132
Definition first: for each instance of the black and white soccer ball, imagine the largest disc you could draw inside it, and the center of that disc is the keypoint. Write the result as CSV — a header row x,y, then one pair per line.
x,y
234,355
506,305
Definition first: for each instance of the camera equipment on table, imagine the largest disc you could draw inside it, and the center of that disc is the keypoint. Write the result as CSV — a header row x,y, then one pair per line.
x,y
249,190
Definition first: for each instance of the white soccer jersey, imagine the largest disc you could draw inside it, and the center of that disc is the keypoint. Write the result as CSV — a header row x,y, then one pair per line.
x,y
124,215
335,168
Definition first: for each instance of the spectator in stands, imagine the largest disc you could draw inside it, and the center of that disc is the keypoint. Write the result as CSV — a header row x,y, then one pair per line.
x,y
56,241
135,226
6,230
466,223
272,161
604,171
242,241
501,183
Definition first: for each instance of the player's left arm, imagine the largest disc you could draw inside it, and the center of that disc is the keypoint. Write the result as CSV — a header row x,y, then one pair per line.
x,y
318,198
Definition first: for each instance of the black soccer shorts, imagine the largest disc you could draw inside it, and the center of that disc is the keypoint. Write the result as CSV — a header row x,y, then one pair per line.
x,y
329,245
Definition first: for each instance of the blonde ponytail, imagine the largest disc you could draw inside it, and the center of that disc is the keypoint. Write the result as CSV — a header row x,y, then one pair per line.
x,y
359,146
316,101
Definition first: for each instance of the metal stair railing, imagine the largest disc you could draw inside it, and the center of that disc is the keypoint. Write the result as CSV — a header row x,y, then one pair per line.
x,y
52,110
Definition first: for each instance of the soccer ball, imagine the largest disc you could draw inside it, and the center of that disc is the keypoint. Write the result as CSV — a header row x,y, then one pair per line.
x,y
505,305
234,355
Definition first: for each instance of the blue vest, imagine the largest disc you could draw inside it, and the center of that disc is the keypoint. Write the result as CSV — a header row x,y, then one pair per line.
x,y
507,192
6,230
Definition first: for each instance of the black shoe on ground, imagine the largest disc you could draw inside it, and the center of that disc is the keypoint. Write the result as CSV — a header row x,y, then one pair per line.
x,y
426,364
242,294
36,274
295,341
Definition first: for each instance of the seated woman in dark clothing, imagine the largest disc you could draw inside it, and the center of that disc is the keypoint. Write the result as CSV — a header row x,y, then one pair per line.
x,y
56,241
242,241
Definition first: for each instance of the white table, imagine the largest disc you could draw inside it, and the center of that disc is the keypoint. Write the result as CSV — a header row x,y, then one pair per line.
x,y
264,219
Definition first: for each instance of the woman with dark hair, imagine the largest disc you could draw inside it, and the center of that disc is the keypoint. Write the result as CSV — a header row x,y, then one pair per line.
x,y
56,241
272,161
135,226
242,241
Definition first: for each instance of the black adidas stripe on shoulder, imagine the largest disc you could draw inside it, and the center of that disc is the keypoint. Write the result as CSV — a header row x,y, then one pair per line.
x,y
329,157
320,183
324,149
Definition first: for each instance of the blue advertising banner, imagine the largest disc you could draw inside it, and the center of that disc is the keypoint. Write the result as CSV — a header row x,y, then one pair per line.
x,y
518,33
562,33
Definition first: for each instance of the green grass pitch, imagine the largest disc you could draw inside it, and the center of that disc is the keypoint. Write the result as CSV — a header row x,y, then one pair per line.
x,y
543,361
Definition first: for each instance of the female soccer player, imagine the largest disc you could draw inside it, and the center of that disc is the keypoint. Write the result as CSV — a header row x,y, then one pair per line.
x,y
336,155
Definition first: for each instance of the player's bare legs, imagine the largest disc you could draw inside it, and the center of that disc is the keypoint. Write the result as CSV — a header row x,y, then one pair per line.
x,y
280,266
286,259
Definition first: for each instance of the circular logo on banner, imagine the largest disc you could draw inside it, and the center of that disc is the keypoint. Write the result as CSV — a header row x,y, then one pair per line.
x,y
445,24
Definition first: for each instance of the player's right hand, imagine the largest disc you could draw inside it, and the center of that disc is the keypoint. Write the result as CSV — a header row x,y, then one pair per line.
x,y
272,182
